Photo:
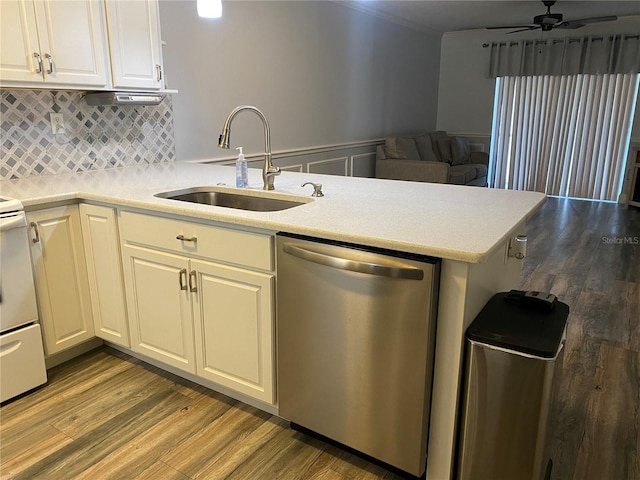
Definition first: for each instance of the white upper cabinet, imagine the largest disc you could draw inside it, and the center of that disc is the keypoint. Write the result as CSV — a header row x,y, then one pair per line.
x,y
53,43
135,45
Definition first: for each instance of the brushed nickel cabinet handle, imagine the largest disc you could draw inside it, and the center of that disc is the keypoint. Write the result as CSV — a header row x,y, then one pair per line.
x,y
193,281
50,59
36,55
158,72
182,279
36,232
182,238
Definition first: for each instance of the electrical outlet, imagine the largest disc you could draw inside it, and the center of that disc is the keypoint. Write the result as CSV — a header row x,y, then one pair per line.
x,y
57,123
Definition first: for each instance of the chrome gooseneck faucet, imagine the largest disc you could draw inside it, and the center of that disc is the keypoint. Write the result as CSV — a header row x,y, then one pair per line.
x,y
269,170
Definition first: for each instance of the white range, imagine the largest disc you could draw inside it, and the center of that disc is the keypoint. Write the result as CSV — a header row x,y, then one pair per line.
x,y
22,365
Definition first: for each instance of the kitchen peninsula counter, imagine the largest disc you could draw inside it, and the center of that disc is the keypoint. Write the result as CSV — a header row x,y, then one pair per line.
x,y
446,221
469,228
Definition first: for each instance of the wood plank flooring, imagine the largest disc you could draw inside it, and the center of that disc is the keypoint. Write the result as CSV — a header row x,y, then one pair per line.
x,y
587,253
106,415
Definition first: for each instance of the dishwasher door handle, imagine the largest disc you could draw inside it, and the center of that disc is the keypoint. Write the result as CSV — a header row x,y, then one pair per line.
x,y
392,271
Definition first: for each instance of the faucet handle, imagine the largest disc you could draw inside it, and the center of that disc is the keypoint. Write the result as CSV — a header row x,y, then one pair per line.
x,y
317,189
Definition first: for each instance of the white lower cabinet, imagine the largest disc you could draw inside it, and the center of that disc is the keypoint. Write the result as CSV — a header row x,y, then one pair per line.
x,y
104,267
192,304
159,306
62,291
233,328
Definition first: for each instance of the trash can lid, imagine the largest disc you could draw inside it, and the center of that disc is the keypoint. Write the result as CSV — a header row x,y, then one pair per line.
x,y
516,327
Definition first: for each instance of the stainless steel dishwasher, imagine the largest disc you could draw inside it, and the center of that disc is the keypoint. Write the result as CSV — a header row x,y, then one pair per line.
x,y
356,333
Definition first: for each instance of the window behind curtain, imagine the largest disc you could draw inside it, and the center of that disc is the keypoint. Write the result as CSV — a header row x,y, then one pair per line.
x,y
565,135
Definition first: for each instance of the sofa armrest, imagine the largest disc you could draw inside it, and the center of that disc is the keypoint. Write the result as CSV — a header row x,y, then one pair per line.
x,y
412,170
479,157
380,155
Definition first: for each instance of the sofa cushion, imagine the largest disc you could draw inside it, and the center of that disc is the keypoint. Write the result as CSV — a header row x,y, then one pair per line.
x,y
425,148
401,147
460,151
464,174
412,170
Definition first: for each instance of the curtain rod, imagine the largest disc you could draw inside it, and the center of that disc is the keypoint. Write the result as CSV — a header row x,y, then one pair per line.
x,y
561,40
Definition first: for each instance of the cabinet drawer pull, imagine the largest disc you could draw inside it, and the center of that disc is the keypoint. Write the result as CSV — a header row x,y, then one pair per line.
x,y
158,72
50,59
193,281
36,233
182,279
36,55
182,238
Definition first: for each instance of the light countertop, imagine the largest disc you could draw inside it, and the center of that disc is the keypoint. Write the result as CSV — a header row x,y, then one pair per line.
x,y
446,221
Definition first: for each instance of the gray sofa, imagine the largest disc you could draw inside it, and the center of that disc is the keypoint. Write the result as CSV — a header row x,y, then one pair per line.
x,y
431,157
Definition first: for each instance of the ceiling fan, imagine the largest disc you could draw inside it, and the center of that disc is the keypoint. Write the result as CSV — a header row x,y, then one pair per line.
x,y
548,21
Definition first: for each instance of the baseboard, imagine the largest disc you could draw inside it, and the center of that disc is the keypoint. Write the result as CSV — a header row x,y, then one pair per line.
x,y
66,355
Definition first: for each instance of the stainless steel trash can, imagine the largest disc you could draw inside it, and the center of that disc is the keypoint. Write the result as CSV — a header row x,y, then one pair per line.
x,y
512,352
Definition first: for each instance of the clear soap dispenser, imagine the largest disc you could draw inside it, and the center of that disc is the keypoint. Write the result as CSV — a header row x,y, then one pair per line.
x,y
242,170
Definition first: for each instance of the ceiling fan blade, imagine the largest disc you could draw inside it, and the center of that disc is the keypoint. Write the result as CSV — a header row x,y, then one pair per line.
x,y
532,27
511,26
570,25
584,21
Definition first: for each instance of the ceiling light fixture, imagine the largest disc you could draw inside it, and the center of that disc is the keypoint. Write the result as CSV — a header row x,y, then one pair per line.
x,y
209,8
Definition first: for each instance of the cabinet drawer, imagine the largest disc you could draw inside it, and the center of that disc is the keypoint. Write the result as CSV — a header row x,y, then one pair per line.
x,y
223,244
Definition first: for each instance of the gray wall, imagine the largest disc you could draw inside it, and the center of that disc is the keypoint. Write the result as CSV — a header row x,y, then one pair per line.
x,y
465,99
322,73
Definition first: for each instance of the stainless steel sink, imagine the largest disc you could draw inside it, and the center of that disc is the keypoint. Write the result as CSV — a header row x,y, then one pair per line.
x,y
219,198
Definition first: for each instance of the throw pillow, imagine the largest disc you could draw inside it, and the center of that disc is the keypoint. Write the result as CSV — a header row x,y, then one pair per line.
x,y
425,148
444,147
460,151
401,147
434,142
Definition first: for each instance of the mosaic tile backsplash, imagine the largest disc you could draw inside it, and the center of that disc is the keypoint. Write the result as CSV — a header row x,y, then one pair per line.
x,y
94,138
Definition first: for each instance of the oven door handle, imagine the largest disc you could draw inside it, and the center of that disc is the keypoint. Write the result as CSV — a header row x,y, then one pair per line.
x,y
13,221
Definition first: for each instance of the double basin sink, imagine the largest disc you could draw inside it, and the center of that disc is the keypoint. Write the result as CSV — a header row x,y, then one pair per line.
x,y
223,198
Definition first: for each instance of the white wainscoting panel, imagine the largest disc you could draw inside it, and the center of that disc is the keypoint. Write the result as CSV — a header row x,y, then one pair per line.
x,y
363,164
298,167
349,159
329,166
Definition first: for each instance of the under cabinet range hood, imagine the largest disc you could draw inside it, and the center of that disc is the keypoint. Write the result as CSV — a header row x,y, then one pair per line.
x,y
122,98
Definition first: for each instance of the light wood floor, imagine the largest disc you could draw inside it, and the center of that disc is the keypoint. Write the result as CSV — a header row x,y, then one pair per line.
x,y
107,415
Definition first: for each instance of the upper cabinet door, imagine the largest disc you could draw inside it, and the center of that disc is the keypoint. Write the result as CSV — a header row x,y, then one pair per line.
x,y
53,43
135,45
19,48
73,42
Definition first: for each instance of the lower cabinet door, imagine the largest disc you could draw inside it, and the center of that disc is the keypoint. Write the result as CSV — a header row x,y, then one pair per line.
x,y
158,306
233,322
64,301
104,266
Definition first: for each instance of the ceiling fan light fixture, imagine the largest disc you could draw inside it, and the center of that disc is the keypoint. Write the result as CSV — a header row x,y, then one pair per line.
x,y
548,19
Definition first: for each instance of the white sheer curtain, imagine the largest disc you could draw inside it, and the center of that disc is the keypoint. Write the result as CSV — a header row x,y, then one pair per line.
x,y
563,135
